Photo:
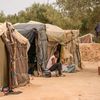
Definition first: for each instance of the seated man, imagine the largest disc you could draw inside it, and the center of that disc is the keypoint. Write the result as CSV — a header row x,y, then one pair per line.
x,y
53,65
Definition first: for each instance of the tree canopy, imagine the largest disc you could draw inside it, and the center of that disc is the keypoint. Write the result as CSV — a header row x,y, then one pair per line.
x,y
67,14
38,12
84,12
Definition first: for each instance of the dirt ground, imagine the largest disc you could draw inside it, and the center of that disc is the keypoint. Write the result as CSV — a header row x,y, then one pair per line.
x,y
83,85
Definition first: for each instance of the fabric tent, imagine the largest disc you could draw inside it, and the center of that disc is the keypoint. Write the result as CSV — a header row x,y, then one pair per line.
x,y
88,38
35,32
68,39
44,38
3,65
14,62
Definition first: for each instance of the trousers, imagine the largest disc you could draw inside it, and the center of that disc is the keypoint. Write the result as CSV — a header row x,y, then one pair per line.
x,y
56,67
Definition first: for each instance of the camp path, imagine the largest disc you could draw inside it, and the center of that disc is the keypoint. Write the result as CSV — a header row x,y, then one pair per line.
x,y
83,85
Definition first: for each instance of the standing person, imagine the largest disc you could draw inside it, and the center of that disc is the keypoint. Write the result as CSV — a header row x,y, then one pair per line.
x,y
52,64
97,29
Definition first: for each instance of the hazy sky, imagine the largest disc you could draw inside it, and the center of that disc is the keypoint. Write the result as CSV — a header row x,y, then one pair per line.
x,y
13,6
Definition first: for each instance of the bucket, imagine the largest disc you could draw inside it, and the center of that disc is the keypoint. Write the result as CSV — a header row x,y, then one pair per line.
x,y
99,70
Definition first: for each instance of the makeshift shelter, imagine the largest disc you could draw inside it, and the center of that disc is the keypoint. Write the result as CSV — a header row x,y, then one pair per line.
x,y
88,38
14,60
35,32
69,44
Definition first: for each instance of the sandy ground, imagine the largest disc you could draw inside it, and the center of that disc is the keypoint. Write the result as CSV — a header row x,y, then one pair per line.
x,y
83,85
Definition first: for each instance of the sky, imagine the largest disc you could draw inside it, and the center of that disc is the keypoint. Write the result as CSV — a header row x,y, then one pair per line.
x,y
13,6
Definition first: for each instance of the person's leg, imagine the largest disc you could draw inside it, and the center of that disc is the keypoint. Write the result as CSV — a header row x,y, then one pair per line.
x,y
97,34
53,67
57,67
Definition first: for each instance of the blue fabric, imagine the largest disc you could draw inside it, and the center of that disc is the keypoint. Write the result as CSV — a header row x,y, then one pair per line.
x,y
97,28
70,68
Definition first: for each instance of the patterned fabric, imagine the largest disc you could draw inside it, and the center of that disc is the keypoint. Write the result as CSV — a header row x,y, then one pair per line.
x,y
17,58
